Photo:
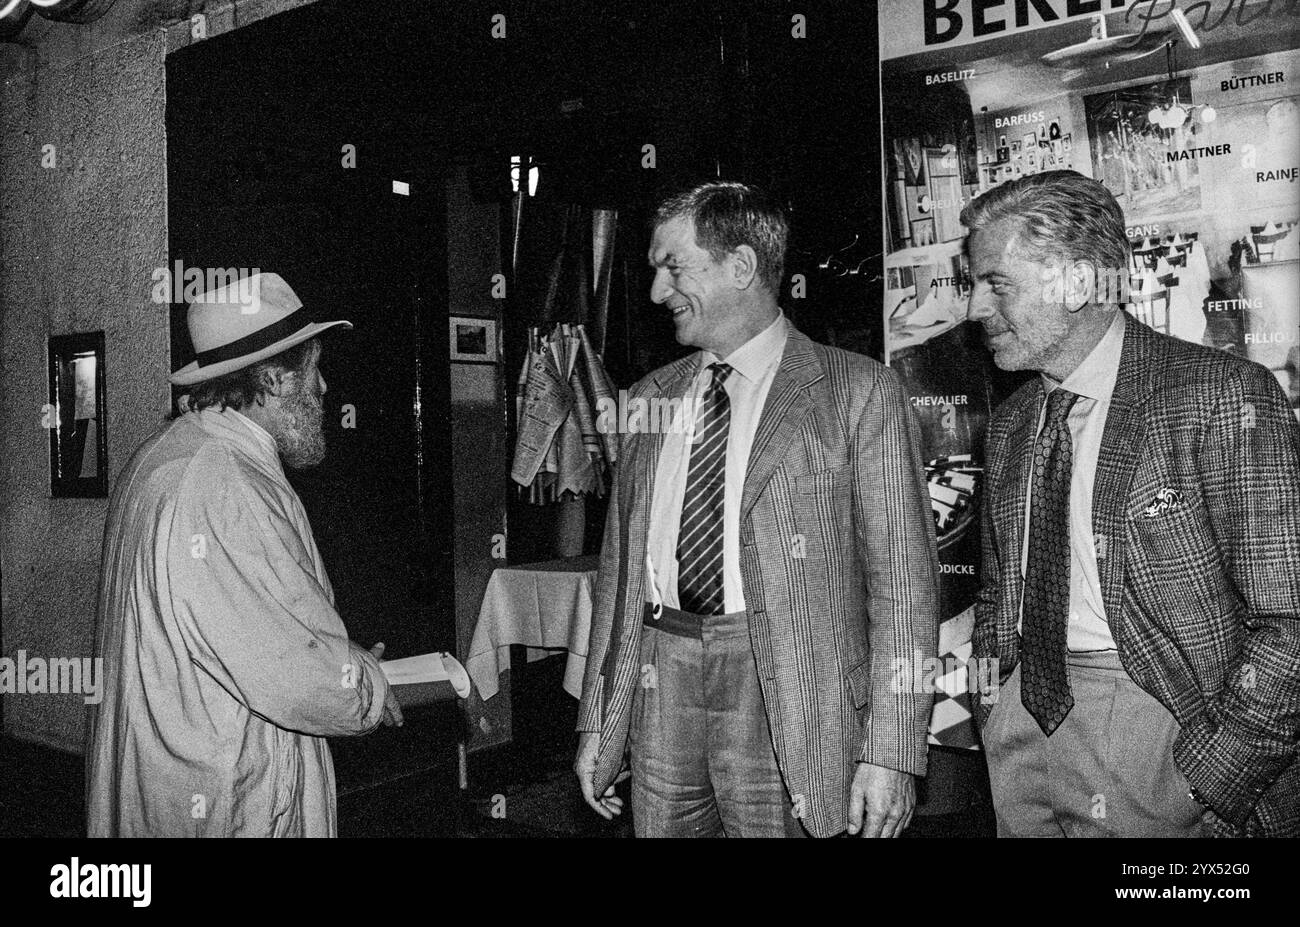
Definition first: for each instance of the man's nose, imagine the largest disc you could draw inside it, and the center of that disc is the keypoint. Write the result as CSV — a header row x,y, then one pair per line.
x,y
321,377
660,289
978,309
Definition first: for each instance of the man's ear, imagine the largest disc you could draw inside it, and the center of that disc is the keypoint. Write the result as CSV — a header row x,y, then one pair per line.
x,y
744,267
1080,285
275,381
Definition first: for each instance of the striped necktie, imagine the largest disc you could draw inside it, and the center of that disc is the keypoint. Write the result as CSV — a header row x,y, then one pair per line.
x,y
699,542
1045,684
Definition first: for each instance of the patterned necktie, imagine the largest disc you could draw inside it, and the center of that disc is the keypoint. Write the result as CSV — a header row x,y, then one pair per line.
x,y
699,542
1045,685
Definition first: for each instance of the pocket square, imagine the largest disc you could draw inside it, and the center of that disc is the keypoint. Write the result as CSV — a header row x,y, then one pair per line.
x,y
1166,500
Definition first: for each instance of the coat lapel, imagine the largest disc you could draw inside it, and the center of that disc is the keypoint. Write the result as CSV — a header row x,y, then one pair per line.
x,y
783,413
645,445
1117,460
673,382
640,464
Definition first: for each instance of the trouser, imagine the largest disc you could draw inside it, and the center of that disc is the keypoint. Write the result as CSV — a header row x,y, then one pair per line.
x,y
1107,771
703,764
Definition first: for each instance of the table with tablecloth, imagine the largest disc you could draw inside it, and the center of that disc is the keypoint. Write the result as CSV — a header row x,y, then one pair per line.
x,y
546,608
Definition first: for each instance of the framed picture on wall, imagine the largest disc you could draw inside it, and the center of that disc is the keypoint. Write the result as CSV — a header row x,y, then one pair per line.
x,y
473,340
74,417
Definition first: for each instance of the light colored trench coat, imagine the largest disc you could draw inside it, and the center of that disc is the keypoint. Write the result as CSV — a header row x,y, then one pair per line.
x,y
225,662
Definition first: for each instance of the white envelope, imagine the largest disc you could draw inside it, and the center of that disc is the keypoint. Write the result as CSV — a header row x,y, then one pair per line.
x,y
428,667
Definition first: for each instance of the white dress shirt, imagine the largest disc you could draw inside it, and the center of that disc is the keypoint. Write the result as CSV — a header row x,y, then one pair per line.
x,y
1093,381
754,366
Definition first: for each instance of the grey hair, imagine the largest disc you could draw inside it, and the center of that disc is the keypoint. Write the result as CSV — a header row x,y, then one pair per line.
x,y
728,215
1065,216
249,385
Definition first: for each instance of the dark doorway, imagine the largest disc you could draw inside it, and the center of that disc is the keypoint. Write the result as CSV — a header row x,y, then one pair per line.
x,y
271,170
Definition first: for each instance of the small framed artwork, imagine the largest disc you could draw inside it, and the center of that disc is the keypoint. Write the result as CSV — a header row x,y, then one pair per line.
x,y
1066,144
913,162
473,340
74,417
923,233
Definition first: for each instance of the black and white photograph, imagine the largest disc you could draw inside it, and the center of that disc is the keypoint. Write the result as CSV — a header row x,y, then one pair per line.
x,y
436,421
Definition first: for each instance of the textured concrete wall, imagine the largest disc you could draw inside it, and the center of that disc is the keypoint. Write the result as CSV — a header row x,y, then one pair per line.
x,y
78,244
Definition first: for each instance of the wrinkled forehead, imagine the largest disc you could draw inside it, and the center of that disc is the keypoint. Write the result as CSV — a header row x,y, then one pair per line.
x,y
673,241
996,244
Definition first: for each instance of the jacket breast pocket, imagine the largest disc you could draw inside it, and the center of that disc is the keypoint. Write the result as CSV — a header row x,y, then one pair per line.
x,y
1174,534
831,480
858,679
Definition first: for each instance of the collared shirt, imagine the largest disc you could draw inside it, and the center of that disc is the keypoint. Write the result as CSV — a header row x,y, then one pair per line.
x,y
1093,381
754,366
226,664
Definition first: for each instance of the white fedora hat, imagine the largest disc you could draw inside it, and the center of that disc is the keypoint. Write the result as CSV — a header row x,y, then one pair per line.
x,y
243,322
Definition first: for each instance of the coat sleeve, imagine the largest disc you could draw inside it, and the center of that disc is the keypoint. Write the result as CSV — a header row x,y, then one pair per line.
x,y
895,539
591,710
253,614
988,597
1250,463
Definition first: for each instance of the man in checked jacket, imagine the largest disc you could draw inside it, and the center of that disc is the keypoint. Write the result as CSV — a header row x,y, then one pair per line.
x,y
762,574
1141,569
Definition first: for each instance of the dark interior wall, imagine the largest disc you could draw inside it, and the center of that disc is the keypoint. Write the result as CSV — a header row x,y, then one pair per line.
x,y
287,196
479,450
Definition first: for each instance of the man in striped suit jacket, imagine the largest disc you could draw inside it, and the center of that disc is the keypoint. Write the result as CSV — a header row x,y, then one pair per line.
x,y
1152,685
760,575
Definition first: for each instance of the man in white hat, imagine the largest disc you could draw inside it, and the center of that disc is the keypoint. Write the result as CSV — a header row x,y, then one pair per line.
x,y
225,663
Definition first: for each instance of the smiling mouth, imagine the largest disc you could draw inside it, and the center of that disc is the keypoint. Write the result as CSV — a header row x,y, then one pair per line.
x,y
678,310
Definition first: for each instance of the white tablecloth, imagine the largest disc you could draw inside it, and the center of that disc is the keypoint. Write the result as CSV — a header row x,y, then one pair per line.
x,y
546,607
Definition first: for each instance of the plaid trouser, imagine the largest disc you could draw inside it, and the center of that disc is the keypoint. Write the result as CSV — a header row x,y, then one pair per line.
x,y
703,764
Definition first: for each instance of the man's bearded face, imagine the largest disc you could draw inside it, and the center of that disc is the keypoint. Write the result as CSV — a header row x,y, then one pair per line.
x,y
300,431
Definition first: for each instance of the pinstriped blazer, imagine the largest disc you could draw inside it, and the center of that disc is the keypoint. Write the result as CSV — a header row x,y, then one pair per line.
x,y
1203,599
834,475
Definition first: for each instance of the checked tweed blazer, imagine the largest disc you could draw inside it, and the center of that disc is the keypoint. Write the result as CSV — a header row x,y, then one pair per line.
x,y
1203,597
838,565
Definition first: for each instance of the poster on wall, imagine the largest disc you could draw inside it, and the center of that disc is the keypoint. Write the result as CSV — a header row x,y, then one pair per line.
x,y
1190,121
